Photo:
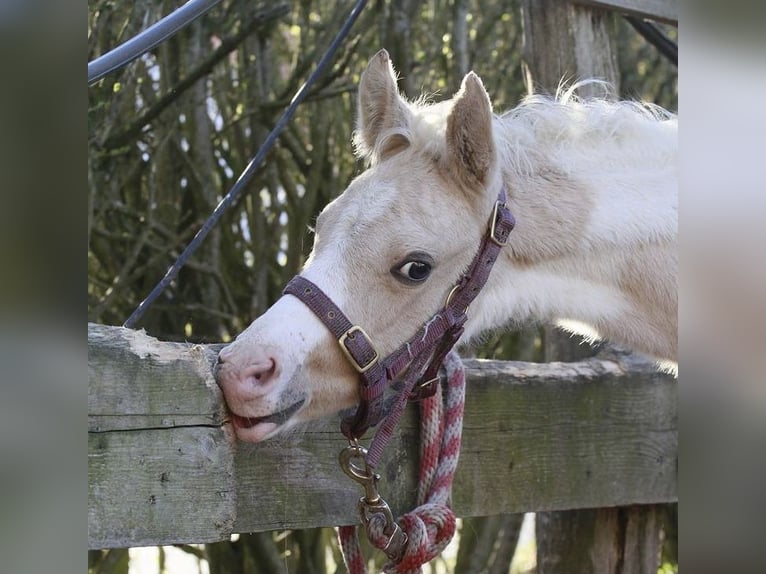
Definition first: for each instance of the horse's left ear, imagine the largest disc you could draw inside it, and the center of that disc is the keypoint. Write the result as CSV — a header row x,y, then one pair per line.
x,y
381,108
470,146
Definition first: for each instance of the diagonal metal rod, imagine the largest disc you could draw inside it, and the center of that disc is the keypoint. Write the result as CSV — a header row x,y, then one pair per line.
x,y
249,171
654,36
148,39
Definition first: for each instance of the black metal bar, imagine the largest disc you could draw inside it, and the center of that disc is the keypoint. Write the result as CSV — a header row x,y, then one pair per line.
x,y
249,171
656,38
148,39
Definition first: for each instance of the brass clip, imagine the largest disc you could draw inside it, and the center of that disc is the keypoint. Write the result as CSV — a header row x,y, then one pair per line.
x,y
372,503
364,475
350,334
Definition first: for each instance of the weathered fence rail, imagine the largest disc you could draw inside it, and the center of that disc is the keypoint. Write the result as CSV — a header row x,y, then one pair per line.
x,y
163,467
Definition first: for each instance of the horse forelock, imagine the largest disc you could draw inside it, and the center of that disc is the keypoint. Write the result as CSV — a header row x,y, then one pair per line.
x,y
423,130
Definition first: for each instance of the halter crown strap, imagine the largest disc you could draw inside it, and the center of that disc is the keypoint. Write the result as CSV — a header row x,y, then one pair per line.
x,y
466,289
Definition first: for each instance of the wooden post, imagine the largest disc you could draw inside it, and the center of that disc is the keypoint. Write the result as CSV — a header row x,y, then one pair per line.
x,y
564,43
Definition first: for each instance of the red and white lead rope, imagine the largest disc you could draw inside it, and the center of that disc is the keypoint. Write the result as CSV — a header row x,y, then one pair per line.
x,y
431,525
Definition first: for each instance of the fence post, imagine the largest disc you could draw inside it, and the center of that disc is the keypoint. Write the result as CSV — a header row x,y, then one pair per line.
x,y
565,41
569,42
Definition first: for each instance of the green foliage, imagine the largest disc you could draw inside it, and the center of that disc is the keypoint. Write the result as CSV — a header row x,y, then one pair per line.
x,y
114,561
644,73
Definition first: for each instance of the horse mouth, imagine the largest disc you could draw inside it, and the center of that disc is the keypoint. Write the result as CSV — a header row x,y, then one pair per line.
x,y
255,429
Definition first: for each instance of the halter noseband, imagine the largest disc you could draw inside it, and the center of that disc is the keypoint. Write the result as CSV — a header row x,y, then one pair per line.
x,y
419,358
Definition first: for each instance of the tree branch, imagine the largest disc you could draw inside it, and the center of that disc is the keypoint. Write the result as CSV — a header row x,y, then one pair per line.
x,y
227,45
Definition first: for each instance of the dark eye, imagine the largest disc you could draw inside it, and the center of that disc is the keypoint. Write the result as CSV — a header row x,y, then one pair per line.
x,y
415,269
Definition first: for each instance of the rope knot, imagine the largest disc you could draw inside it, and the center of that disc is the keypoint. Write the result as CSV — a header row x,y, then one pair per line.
x,y
429,529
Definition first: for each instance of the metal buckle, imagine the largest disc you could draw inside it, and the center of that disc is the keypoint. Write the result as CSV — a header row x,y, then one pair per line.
x,y
350,334
452,292
493,224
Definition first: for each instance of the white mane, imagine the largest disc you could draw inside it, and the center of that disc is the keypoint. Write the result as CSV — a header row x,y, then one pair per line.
x,y
542,126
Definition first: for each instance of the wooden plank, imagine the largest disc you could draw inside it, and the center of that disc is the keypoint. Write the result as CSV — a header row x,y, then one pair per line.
x,y
659,10
160,487
566,435
600,432
137,382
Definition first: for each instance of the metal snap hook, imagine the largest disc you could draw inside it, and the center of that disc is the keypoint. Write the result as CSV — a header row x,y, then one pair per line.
x,y
362,474
353,462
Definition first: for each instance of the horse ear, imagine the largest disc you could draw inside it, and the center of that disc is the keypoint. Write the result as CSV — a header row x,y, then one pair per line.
x,y
380,105
471,148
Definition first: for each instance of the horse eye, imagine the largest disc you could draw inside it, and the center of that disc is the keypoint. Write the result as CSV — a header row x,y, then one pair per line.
x,y
414,271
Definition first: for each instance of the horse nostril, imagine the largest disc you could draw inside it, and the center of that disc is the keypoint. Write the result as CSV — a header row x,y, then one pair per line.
x,y
260,373
225,354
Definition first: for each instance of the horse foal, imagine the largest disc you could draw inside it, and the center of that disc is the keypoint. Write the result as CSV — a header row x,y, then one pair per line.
x,y
593,188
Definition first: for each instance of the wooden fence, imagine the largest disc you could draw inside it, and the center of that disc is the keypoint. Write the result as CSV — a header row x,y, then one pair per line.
x,y
164,468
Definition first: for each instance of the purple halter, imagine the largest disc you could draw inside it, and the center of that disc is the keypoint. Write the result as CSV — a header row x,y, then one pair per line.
x,y
417,360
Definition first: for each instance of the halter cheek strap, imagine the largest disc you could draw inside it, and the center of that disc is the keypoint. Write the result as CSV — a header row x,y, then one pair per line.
x,y
417,360
355,344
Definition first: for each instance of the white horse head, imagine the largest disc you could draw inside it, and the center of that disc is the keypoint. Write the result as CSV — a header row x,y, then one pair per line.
x,y
390,248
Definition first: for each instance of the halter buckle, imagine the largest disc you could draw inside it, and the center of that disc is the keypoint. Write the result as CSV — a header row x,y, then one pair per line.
x,y
452,292
350,334
493,227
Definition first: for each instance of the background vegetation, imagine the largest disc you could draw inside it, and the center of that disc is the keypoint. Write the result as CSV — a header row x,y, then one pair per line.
x,y
169,134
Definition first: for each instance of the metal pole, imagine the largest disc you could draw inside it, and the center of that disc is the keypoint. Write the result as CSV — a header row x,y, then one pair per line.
x,y
148,39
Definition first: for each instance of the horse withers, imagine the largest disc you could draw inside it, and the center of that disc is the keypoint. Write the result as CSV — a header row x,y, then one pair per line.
x,y
592,185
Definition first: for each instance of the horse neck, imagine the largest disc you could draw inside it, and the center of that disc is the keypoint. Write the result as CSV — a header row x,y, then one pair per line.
x,y
595,236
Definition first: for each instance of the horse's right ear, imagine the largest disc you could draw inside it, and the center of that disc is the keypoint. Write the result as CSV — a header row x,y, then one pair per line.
x,y
469,133
381,108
